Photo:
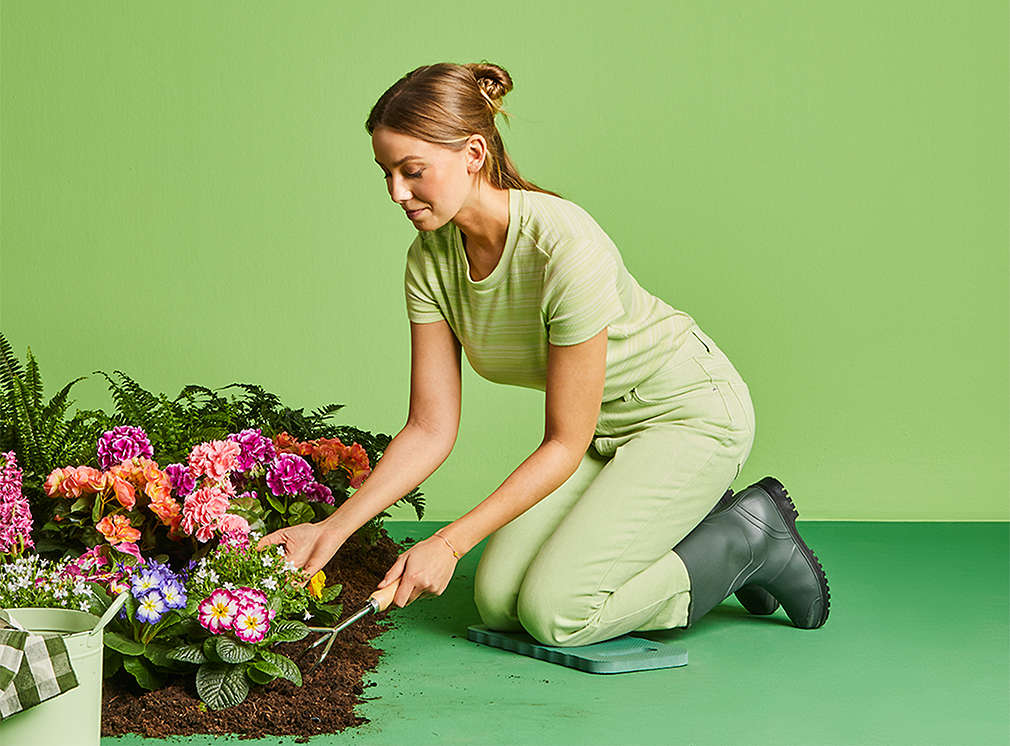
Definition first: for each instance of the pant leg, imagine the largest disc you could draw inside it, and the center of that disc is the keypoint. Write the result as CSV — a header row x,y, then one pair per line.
x,y
509,551
676,442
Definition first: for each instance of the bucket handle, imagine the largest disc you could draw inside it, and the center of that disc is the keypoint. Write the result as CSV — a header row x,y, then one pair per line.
x,y
110,612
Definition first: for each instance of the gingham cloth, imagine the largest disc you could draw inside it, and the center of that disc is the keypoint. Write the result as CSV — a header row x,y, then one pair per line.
x,y
33,668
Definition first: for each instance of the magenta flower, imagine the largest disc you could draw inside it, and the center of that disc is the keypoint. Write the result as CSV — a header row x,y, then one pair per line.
x,y
251,624
256,449
318,493
122,443
217,612
250,597
15,515
182,481
289,475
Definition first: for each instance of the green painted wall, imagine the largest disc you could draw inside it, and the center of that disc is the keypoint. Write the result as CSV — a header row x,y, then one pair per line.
x,y
188,195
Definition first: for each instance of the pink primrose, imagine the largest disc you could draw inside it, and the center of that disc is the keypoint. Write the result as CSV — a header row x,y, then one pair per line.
x,y
251,624
217,612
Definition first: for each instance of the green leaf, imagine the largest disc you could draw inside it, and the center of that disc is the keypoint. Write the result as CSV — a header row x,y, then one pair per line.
x,y
266,667
210,650
96,511
334,609
285,665
275,503
300,512
192,653
80,505
158,654
288,631
258,676
112,661
231,651
331,593
141,672
221,686
123,644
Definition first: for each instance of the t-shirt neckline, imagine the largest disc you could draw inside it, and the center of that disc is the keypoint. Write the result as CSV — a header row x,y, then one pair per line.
x,y
511,238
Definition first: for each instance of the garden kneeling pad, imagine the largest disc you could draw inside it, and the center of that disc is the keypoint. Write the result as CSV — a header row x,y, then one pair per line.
x,y
619,655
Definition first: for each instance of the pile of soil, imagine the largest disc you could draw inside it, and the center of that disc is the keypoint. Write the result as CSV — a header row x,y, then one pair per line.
x,y
323,704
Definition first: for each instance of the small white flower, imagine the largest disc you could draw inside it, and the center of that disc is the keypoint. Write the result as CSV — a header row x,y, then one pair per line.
x,y
280,549
267,561
270,583
307,616
228,586
212,576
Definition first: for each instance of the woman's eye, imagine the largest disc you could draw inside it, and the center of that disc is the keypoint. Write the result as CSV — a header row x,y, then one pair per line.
x,y
414,175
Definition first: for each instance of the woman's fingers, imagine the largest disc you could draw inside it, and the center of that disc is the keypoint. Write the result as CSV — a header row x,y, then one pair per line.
x,y
393,573
274,537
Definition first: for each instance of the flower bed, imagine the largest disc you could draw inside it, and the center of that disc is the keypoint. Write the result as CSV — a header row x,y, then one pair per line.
x,y
207,638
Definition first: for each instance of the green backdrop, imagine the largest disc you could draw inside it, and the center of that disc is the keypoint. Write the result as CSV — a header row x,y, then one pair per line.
x,y
188,195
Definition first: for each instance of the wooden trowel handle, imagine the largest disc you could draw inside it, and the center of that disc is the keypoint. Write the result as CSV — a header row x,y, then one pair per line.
x,y
384,596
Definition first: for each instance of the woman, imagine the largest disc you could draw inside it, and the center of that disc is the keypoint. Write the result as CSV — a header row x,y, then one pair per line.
x,y
614,523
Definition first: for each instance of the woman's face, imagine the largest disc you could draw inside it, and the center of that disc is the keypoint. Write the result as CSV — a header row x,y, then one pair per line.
x,y
421,175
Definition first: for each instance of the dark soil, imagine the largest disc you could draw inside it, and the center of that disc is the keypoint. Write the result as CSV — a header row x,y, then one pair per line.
x,y
323,704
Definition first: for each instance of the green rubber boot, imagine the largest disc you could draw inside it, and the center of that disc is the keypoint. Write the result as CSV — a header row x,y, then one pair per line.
x,y
752,541
754,598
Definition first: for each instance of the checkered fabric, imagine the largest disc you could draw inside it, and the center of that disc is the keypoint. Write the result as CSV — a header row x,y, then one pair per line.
x,y
33,668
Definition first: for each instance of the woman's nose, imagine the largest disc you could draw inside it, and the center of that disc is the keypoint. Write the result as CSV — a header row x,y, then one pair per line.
x,y
398,190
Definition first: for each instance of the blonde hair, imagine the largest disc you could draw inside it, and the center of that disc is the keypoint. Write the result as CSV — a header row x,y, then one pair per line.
x,y
444,104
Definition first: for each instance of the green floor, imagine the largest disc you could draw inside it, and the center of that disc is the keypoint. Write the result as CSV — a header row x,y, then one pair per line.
x,y
916,651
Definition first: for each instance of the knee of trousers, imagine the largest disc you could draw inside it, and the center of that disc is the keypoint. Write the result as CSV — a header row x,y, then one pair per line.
x,y
547,618
496,607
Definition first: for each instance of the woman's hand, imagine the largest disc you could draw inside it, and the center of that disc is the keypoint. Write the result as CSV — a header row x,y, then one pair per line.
x,y
426,569
307,545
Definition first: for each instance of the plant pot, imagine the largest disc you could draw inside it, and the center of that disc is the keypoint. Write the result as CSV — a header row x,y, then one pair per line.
x,y
73,718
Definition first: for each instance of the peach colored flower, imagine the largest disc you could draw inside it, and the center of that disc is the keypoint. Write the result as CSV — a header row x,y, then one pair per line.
x,y
117,529
214,459
167,509
201,511
124,491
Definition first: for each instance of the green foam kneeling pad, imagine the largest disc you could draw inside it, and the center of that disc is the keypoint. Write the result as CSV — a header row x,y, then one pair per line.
x,y
619,655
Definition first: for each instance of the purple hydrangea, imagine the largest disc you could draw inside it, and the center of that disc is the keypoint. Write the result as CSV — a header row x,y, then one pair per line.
x,y
122,443
318,493
256,448
15,515
289,475
182,481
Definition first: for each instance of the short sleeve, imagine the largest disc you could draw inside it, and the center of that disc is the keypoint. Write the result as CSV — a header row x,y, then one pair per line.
x,y
421,305
581,294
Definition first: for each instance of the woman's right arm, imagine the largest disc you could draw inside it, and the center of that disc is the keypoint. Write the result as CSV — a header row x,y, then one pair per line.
x,y
411,457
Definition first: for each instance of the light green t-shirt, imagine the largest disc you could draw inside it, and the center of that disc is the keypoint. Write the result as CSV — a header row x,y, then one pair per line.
x,y
560,280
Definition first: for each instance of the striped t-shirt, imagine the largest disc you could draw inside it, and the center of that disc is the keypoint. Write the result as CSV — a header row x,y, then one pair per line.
x,y
560,280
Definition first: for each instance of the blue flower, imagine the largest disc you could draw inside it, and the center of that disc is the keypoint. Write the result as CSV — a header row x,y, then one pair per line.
x,y
174,595
144,581
151,608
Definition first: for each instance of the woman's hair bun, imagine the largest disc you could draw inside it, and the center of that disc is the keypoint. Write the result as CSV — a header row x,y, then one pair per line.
x,y
493,79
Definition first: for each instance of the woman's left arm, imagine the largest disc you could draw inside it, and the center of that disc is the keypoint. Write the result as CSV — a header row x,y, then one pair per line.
x,y
574,392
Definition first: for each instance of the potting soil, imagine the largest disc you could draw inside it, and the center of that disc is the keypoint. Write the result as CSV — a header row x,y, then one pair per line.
x,y
323,704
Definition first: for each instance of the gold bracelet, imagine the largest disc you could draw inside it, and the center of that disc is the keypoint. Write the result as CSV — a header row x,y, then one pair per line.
x,y
455,554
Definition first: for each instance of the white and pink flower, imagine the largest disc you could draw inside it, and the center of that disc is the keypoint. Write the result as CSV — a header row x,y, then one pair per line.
x,y
217,612
251,624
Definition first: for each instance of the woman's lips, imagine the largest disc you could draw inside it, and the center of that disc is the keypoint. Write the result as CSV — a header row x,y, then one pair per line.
x,y
415,213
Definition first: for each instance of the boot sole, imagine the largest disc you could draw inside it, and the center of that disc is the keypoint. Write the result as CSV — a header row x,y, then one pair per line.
x,y
777,491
